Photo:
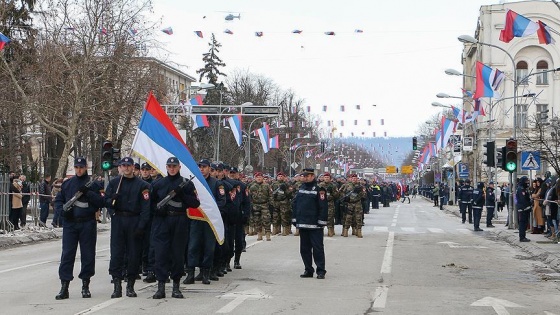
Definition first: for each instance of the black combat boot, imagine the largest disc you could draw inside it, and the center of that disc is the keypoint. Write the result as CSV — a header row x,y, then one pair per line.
x,y
223,267
236,264
160,293
117,288
218,271
85,289
213,276
228,266
63,294
199,276
130,288
176,293
190,276
206,275
150,278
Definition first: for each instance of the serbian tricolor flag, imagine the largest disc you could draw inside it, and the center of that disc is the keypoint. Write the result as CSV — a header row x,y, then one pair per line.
x,y
259,34
199,121
544,34
4,40
263,136
273,143
487,81
199,34
168,30
235,124
517,26
155,141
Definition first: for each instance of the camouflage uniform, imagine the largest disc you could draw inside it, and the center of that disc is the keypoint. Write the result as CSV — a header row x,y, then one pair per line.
x,y
281,200
260,197
332,195
353,194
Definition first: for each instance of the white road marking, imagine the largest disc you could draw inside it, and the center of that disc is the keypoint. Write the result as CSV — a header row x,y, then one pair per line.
x,y
27,266
464,231
408,229
99,306
380,297
388,257
436,230
240,297
381,229
498,305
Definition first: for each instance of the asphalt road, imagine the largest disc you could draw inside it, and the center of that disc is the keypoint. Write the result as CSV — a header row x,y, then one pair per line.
x,y
413,259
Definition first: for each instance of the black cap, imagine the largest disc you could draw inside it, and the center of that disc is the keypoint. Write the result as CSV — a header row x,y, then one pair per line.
x,y
219,167
233,169
226,167
80,161
173,161
307,171
145,165
468,181
126,161
204,162
214,166
137,166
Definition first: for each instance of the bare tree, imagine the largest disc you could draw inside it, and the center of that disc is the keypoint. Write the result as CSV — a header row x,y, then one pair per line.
x,y
544,137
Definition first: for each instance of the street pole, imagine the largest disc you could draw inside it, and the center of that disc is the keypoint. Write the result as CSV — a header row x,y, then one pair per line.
x,y
249,137
290,154
217,156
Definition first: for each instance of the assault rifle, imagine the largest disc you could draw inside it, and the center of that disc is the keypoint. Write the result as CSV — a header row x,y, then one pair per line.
x,y
70,203
173,193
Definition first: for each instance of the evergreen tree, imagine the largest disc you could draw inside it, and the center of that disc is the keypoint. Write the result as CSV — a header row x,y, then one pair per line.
x,y
211,71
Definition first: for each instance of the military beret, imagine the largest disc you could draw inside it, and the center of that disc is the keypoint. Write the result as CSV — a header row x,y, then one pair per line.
x,y
258,174
327,174
353,175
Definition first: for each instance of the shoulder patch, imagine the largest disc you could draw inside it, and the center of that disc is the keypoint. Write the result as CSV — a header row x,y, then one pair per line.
x,y
146,194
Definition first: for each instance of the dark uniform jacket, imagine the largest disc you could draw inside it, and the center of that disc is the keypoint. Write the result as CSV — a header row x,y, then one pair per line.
x,y
133,196
465,193
310,207
478,198
490,197
184,198
523,199
87,204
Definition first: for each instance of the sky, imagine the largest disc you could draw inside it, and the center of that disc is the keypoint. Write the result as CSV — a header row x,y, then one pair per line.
x,y
396,64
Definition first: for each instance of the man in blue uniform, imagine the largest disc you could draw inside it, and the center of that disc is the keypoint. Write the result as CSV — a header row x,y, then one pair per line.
x,y
309,215
477,204
128,201
79,227
465,206
490,204
523,207
170,227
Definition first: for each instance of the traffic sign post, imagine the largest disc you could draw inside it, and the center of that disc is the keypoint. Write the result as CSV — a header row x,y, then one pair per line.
x,y
463,170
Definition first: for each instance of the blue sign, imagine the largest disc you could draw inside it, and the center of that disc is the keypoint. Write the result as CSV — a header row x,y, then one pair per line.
x,y
531,160
463,170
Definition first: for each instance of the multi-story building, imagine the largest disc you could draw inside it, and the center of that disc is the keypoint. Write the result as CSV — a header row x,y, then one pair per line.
x,y
528,68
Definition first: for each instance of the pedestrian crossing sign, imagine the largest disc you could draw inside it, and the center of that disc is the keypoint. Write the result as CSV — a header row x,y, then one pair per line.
x,y
531,160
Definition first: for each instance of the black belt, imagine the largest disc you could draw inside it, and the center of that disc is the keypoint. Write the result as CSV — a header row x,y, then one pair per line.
x,y
82,219
126,214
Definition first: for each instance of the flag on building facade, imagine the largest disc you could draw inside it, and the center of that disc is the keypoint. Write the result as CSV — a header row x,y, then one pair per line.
x,y
487,81
544,34
517,26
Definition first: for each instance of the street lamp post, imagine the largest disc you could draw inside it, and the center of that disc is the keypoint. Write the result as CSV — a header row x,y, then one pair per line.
x,y
290,154
217,155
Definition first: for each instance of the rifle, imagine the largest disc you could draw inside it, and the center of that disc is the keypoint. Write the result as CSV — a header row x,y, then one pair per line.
x,y
70,203
173,193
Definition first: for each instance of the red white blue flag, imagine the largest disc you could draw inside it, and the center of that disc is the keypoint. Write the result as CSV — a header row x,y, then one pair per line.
x,y
544,34
517,26
199,34
155,141
487,81
273,143
168,30
199,121
263,136
235,124
4,40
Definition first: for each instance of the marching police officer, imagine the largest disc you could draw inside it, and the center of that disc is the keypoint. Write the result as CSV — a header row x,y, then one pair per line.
x,y
309,215
172,195
477,204
523,206
79,226
148,255
490,204
128,201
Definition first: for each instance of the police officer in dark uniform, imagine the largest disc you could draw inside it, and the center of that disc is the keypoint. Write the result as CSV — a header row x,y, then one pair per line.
x,y
237,216
148,255
202,241
79,228
477,204
523,206
222,250
128,201
465,195
309,215
490,204
170,228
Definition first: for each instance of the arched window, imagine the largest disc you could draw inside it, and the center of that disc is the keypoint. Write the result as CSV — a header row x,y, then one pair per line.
x,y
542,78
521,71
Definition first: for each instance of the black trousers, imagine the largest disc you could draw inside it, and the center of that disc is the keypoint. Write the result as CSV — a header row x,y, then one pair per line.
x,y
523,221
170,237
311,248
477,215
201,245
126,249
74,234
489,215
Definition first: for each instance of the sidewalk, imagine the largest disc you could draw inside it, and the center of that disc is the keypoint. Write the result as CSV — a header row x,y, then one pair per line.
x,y
539,247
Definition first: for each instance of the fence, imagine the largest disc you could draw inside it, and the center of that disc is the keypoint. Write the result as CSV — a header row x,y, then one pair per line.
x,y
5,224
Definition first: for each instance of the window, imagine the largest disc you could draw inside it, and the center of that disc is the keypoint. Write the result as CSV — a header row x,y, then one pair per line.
x,y
521,115
542,78
542,112
521,71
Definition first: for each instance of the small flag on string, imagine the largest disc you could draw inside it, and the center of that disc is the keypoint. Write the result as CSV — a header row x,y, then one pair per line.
x,y
369,122
382,121
132,32
357,106
168,30
228,31
359,31
324,108
103,30
199,34
355,122
297,31
259,34
329,33
341,108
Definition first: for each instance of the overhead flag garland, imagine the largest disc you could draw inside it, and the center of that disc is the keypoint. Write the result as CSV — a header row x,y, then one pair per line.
x,y
168,30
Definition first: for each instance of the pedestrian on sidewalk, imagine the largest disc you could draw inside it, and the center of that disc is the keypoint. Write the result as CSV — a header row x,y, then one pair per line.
x,y
309,215
435,194
523,207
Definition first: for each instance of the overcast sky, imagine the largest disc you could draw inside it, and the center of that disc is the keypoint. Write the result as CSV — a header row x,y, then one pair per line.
x,y
397,63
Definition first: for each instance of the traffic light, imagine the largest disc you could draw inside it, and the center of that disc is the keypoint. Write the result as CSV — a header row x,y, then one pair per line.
x,y
116,157
414,143
107,155
500,158
322,147
511,156
490,152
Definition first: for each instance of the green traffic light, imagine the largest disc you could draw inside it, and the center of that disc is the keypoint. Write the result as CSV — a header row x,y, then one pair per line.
x,y
511,166
106,165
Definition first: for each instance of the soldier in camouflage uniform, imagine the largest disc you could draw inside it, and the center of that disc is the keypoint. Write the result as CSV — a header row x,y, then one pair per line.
x,y
352,193
332,195
261,195
282,197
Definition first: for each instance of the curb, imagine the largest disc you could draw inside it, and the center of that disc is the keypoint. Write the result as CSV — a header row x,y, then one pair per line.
x,y
27,236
